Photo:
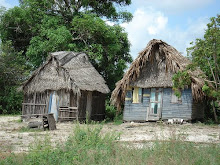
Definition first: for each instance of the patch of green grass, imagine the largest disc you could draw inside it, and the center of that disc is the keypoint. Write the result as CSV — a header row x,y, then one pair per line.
x,y
17,121
118,120
206,124
87,145
213,135
5,147
9,115
26,129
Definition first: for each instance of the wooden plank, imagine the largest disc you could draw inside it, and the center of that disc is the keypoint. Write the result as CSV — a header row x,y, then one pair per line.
x,y
67,117
33,104
35,124
73,108
99,114
89,104
64,108
67,111
22,109
34,115
68,108
51,121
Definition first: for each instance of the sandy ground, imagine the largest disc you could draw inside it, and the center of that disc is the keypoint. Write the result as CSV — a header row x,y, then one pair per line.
x,y
13,138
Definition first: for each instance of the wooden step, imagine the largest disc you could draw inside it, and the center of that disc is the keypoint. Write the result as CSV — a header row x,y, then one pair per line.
x,y
67,117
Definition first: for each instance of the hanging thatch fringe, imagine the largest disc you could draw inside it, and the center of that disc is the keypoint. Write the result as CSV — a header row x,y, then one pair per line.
x,y
66,70
174,62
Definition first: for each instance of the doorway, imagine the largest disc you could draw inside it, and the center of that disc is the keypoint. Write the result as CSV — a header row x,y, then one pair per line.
x,y
155,106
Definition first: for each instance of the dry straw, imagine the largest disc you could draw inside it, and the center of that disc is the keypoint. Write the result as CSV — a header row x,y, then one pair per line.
x,y
162,59
66,70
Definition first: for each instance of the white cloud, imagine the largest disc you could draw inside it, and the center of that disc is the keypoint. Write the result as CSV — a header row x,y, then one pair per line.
x,y
158,24
173,6
144,25
109,23
5,4
148,24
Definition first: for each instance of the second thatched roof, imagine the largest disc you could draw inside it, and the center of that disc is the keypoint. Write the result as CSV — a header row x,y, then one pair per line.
x,y
157,54
66,70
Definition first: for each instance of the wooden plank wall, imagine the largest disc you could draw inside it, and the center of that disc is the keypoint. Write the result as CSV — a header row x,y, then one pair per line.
x,y
35,104
98,106
136,111
177,110
43,98
73,102
82,105
64,98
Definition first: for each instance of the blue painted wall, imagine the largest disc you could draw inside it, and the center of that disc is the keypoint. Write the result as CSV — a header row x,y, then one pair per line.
x,y
177,110
138,111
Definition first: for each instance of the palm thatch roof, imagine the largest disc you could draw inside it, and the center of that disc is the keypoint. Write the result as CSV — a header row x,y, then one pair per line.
x,y
66,70
159,61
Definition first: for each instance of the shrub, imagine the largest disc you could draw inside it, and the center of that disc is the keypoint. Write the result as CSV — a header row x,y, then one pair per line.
x,y
88,145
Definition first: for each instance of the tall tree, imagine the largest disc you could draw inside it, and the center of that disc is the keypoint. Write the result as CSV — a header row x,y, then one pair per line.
x,y
205,54
107,46
38,27
12,73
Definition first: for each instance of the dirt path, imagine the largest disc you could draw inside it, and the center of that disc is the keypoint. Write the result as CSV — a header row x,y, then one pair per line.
x,y
14,137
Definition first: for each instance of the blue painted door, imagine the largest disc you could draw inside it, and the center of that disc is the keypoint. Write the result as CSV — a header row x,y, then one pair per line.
x,y
155,107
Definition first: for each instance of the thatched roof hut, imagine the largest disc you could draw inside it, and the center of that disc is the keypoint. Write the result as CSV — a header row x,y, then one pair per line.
x,y
158,62
65,71
73,70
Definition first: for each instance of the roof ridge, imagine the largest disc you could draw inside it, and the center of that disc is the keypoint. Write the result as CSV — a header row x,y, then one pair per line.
x,y
67,58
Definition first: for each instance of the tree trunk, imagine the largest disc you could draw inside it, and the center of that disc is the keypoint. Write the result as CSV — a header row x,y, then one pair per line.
x,y
214,110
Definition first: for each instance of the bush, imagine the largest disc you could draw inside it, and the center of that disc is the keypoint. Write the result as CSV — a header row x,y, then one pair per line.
x,y
10,103
88,145
110,111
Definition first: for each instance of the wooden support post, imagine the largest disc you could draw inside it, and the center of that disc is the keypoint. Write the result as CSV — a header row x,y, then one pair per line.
x,y
22,109
51,121
34,102
89,105
78,106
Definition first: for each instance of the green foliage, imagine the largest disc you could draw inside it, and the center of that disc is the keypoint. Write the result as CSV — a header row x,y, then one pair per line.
x,y
39,27
12,70
210,92
110,112
90,146
107,46
68,9
53,36
118,119
10,103
181,80
26,129
205,54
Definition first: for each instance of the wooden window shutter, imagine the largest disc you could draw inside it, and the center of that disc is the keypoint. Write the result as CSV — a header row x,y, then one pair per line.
x,y
140,95
135,95
174,98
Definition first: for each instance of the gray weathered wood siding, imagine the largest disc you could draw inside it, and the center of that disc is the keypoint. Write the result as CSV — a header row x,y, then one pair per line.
x,y
82,105
138,111
177,110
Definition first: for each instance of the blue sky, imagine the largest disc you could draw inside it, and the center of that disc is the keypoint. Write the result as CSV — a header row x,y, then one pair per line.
x,y
177,22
